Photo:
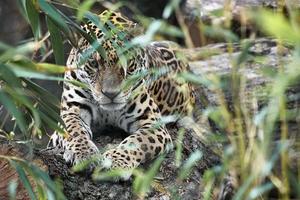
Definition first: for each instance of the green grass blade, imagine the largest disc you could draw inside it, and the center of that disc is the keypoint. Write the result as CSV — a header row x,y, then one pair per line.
x,y
33,17
191,162
12,189
277,25
142,183
84,7
24,179
53,13
11,107
56,42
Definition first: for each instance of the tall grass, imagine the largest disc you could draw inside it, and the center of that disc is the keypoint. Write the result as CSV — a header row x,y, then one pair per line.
x,y
250,154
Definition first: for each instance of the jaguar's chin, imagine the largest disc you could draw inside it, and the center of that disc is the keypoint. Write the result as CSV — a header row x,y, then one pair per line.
x,y
112,106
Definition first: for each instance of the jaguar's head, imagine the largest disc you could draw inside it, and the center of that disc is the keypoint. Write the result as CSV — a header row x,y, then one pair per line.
x,y
110,83
110,70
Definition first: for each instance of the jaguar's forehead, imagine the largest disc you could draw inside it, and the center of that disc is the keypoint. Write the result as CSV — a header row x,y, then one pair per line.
x,y
113,33
110,25
118,20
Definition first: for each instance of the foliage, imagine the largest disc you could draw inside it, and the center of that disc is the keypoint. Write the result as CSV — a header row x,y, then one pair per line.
x,y
250,153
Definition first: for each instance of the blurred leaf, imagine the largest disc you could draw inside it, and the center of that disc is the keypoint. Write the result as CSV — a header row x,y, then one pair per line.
x,y
4,47
22,72
45,95
73,3
277,25
50,195
242,189
57,18
9,76
12,188
244,55
217,12
170,30
260,190
165,28
189,164
220,33
51,123
11,107
42,175
93,39
173,4
85,164
11,53
84,7
33,17
111,175
178,152
22,7
142,182
28,66
148,36
210,80
45,187
24,179
56,42
19,96
269,71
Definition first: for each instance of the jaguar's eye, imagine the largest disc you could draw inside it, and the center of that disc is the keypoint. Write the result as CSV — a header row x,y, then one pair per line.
x,y
131,68
93,63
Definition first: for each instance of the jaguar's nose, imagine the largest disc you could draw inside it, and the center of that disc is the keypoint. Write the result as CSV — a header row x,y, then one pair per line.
x,y
111,95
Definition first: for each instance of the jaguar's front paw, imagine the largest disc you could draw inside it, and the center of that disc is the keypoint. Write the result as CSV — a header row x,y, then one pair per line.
x,y
80,153
119,160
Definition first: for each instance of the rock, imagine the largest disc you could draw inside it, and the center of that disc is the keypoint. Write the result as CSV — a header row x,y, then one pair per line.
x,y
234,18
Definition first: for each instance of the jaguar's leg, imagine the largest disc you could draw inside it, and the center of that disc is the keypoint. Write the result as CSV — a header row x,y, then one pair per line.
x,y
149,137
142,146
77,141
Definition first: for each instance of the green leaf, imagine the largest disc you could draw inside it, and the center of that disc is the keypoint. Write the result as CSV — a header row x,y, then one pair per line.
x,y
93,39
33,17
9,76
50,123
16,52
54,14
257,192
45,96
170,7
191,161
277,25
4,47
40,174
22,7
12,188
11,107
56,42
219,32
84,7
29,66
244,187
46,187
178,152
24,179
142,183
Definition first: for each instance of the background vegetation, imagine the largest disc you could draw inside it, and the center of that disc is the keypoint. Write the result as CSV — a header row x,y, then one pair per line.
x,y
249,152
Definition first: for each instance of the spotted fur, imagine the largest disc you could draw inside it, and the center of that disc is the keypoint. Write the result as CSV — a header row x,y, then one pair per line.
x,y
136,108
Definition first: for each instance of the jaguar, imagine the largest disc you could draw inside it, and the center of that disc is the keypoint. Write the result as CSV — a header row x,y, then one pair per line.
x,y
131,87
